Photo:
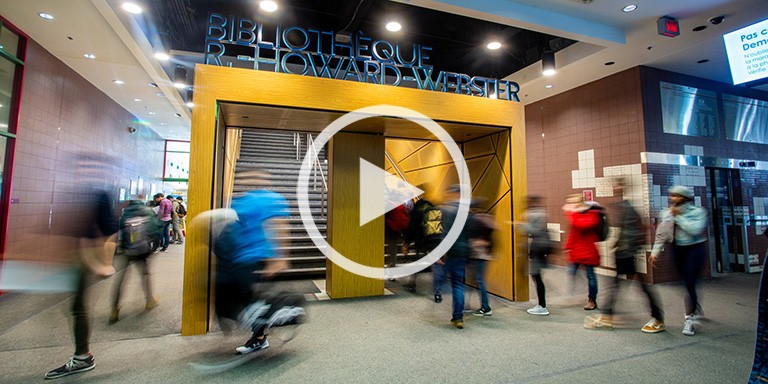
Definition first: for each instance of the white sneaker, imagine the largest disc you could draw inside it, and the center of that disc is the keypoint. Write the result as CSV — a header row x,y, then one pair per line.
x,y
538,310
689,328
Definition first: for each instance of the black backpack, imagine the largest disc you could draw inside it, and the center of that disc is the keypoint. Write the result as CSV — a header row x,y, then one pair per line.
x,y
135,236
181,211
603,229
426,226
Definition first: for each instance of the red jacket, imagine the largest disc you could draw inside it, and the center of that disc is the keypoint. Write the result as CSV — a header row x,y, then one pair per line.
x,y
397,219
581,241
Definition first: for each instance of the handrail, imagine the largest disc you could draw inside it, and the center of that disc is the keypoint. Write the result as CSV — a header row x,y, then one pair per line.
x,y
399,173
297,143
316,166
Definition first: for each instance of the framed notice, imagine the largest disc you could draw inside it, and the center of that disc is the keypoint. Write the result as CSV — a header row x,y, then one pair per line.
x,y
587,194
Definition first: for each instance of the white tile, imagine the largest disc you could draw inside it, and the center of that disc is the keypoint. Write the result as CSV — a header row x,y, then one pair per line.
x,y
635,169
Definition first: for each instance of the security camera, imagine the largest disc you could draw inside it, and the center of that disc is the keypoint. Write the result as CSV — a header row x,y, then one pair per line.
x,y
131,130
716,20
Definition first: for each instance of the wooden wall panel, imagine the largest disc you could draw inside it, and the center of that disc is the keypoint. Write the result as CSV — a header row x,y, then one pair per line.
x,y
215,84
363,245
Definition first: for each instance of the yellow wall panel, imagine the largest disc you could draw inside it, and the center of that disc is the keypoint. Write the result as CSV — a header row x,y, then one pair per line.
x,y
479,147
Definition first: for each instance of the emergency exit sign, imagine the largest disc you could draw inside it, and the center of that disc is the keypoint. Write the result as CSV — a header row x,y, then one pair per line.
x,y
668,26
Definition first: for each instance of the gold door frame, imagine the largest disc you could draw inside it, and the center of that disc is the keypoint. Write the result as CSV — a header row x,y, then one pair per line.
x,y
214,84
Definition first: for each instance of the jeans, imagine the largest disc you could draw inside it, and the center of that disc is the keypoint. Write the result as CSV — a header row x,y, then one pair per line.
x,y
481,265
120,277
165,239
455,268
650,294
540,290
591,279
81,324
689,260
438,278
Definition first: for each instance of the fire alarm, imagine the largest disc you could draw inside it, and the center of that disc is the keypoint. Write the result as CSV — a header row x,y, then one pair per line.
x,y
668,26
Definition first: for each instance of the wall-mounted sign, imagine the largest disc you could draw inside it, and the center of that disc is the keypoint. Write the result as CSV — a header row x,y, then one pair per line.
x,y
668,26
355,57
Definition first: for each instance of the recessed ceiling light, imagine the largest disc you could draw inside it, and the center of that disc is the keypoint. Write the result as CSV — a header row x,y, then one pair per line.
x,y
160,94
393,26
151,113
629,8
493,45
162,56
89,55
702,61
190,104
118,82
549,72
179,85
268,6
549,86
610,63
46,16
700,28
151,84
178,115
137,99
132,8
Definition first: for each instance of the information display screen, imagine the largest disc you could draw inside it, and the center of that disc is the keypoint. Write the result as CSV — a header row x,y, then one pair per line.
x,y
746,119
688,111
747,50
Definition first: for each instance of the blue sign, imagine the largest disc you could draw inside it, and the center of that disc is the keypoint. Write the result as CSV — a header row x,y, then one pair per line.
x,y
359,58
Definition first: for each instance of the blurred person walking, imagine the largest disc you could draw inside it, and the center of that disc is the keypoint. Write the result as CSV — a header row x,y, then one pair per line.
x,y
456,257
182,216
759,372
139,228
630,241
92,222
683,225
165,213
248,253
176,216
539,247
480,233
585,220
425,231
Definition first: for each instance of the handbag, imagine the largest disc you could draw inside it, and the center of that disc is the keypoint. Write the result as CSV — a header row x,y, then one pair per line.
x,y
97,253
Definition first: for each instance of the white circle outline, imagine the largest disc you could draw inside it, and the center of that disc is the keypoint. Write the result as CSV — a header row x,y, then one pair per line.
x,y
337,258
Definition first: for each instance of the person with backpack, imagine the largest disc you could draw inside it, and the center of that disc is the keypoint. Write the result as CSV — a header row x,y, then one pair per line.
x,y
139,229
630,241
539,247
588,225
425,231
457,255
683,224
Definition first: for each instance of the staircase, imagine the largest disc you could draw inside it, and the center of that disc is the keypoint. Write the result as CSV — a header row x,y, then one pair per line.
x,y
276,152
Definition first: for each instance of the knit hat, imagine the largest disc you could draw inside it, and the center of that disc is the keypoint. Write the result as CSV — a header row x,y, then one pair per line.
x,y
681,191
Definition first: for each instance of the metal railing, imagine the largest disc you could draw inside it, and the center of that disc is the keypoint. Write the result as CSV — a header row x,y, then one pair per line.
x,y
399,172
297,144
318,168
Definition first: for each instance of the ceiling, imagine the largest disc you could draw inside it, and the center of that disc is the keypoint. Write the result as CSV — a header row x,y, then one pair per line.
x,y
124,43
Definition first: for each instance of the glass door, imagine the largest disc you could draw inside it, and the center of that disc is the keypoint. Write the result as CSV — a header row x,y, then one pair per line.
x,y
726,219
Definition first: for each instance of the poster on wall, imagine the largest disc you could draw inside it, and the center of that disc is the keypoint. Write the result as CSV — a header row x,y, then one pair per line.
x,y
689,111
588,195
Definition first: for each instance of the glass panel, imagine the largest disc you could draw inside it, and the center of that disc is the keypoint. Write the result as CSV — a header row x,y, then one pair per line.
x,y
745,119
3,143
9,41
177,146
176,165
689,111
7,71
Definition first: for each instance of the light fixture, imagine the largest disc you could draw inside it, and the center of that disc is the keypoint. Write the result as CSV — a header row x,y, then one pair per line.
x,y
699,28
89,56
629,8
393,26
118,82
610,63
702,61
151,84
493,96
493,45
268,6
180,77
548,86
152,113
46,16
548,64
132,8
159,94
137,99
162,56
190,104
3,125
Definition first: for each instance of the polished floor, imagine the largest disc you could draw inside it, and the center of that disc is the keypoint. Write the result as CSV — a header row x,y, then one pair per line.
x,y
400,338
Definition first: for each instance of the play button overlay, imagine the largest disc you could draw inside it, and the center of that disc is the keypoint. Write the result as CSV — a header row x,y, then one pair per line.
x,y
375,180
381,192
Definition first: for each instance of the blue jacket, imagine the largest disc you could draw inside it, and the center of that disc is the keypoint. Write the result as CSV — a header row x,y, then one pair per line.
x,y
688,227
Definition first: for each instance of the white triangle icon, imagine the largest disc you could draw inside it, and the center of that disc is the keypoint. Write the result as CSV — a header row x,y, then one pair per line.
x,y
381,192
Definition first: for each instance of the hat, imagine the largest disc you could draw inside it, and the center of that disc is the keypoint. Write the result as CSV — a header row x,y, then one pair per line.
x,y
681,191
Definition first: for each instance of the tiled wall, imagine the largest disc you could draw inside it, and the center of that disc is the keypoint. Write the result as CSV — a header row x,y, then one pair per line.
x,y
579,139
62,115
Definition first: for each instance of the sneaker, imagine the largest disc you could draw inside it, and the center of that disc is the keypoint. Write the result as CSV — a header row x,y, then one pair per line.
x,y
591,305
538,310
251,345
483,312
179,242
653,326
164,249
688,328
600,322
153,302
75,365
114,317
438,299
458,323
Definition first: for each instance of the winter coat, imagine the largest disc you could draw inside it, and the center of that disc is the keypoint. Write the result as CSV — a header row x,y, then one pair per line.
x,y
581,241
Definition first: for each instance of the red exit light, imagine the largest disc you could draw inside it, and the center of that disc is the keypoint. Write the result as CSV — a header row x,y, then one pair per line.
x,y
668,26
